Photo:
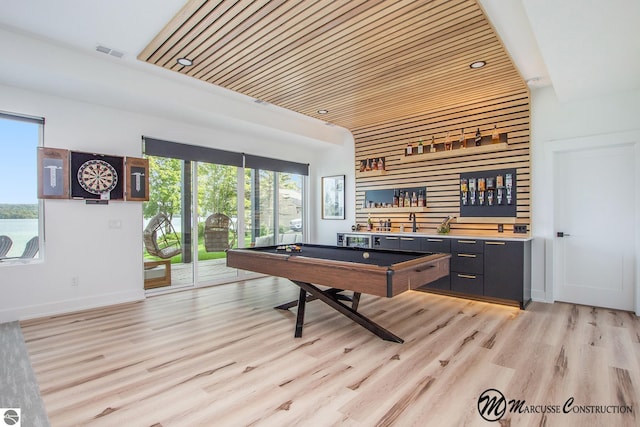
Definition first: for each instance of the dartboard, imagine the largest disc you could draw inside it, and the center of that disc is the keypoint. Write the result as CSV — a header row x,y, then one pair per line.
x,y
97,176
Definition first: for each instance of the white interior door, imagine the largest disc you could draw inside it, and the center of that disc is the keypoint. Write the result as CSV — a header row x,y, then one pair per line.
x,y
595,209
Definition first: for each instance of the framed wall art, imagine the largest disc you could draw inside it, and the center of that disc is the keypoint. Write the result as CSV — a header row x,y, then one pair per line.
x,y
96,176
333,197
53,173
137,176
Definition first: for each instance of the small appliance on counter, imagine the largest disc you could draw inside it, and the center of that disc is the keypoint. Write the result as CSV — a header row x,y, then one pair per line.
x,y
354,240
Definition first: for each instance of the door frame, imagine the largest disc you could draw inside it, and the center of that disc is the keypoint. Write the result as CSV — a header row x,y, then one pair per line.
x,y
551,148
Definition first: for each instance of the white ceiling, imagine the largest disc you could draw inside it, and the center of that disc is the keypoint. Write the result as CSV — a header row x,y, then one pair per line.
x,y
583,48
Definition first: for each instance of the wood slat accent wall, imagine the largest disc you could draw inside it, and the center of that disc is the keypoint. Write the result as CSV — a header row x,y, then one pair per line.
x,y
510,112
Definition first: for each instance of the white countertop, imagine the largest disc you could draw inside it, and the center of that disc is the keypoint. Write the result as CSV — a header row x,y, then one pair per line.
x,y
506,237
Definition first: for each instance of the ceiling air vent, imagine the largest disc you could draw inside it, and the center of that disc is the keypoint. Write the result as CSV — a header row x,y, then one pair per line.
x,y
109,51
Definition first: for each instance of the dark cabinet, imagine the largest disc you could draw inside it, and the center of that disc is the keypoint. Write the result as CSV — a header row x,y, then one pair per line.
x,y
467,262
507,270
410,243
386,242
467,266
381,241
435,244
492,270
467,283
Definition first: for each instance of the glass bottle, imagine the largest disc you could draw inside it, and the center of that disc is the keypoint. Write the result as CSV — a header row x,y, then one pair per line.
x,y
495,136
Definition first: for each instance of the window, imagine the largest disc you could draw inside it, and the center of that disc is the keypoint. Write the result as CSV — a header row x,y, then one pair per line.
x,y
19,206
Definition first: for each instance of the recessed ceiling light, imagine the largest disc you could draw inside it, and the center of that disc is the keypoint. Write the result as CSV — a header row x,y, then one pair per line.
x,y
323,111
185,61
477,64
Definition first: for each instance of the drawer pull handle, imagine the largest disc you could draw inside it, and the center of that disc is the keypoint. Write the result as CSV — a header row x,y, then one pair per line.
x,y
435,240
472,242
467,276
424,268
467,255
411,239
391,238
495,243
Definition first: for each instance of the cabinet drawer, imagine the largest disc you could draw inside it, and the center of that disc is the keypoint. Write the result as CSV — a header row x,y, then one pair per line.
x,y
467,245
467,283
467,262
410,243
436,244
386,242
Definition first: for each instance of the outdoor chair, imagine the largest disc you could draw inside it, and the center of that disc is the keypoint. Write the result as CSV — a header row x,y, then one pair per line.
x,y
31,248
5,245
219,234
160,238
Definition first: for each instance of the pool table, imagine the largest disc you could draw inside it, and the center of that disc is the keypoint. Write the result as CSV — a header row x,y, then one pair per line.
x,y
384,273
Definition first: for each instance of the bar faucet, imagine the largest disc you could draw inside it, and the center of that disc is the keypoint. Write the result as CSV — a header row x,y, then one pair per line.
x,y
412,216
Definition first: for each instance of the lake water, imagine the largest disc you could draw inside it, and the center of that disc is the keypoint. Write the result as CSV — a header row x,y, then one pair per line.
x,y
20,231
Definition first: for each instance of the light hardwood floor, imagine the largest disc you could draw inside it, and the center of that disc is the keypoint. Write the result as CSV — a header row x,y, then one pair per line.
x,y
222,356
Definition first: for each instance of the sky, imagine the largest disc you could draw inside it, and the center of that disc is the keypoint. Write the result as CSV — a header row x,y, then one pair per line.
x,y
18,162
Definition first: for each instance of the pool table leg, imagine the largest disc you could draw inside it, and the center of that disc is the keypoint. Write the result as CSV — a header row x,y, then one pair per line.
x,y
332,291
302,302
333,302
355,300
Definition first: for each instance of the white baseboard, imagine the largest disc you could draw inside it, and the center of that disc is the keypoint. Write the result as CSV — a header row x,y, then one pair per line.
x,y
69,306
540,296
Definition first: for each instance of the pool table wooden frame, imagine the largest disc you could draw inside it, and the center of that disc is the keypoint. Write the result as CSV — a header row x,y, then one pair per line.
x,y
358,277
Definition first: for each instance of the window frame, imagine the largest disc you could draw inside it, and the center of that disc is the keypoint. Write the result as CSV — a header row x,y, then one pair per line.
x,y
40,255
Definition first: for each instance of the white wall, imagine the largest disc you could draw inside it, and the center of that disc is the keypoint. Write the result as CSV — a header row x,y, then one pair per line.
x,y
608,118
337,161
78,240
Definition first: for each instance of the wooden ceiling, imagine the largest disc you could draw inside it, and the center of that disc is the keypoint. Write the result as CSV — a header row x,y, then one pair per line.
x,y
365,61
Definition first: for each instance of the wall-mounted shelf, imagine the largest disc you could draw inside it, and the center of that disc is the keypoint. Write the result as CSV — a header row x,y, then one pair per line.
x,y
454,153
394,210
486,147
364,174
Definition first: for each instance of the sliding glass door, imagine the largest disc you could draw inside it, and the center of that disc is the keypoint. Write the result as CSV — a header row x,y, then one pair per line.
x,y
203,202
167,224
276,201
217,219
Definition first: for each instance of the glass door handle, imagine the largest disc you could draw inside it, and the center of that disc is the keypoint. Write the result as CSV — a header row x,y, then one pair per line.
x,y
562,234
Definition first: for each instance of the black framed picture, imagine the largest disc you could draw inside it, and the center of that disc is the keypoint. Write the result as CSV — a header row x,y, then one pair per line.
x,y
333,197
96,176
